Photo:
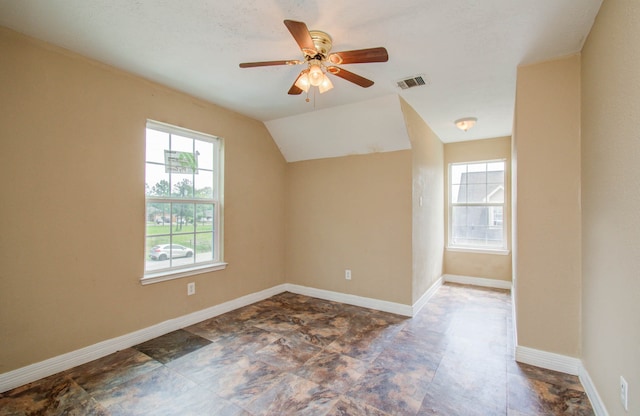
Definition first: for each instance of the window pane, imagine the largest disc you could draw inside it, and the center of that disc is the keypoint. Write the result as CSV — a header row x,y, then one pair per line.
x,y
204,217
156,181
157,142
204,247
204,150
458,224
204,184
158,218
458,193
477,192
477,227
496,193
476,167
495,166
182,216
496,177
182,185
182,252
495,216
157,253
477,177
181,144
457,174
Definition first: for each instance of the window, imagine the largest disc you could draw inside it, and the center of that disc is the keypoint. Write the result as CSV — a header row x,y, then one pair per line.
x,y
183,192
476,205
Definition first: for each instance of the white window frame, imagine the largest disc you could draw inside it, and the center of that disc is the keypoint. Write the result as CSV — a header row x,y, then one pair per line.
x,y
503,250
217,263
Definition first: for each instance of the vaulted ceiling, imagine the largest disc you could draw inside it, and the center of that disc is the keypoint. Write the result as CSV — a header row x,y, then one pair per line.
x,y
468,51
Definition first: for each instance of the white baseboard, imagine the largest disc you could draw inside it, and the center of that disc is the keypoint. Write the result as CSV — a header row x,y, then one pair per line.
x,y
590,389
477,281
548,360
36,371
417,307
380,305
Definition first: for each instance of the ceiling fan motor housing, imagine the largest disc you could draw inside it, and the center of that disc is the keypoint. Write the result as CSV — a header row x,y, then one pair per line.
x,y
323,44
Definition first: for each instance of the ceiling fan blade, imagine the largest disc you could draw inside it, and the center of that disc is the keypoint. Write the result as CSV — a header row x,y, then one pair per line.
x,y
350,76
301,34
294,90
269,63
360,56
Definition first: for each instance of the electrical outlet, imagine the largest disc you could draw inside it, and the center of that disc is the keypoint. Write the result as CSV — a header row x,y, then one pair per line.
x,y
191,288
347,274
624,393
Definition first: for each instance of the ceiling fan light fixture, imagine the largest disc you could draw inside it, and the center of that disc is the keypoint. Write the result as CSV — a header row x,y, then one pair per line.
x,y
303,81
466,123
315,75
325,85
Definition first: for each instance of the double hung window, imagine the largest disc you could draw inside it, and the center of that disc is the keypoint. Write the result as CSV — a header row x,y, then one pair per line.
x,y
183,193
477,205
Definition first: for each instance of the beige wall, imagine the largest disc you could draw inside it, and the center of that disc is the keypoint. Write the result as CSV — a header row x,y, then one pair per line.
x,y
547,139
611,202
351,213
489,266
72,212
428,227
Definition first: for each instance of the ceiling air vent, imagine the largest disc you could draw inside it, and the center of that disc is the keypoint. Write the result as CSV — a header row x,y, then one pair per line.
x,y
415,81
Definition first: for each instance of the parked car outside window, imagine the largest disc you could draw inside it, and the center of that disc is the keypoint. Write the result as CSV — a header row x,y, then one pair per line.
x,y
165,251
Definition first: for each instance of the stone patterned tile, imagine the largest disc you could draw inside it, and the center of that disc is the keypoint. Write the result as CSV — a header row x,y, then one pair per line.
x,y
293,354
349,407
242,380
287,353
548,376
390,391
163,392
461,389
530,396
172,345
366,338
205,363
55,395
238,340
332,370
293,395
117,368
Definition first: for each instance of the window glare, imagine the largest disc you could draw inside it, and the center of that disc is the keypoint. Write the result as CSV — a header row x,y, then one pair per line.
x,y
183,144
457,172
157,141
477,167
495,166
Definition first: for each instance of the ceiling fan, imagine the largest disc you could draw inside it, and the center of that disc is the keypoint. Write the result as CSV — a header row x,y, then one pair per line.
x,y
316,47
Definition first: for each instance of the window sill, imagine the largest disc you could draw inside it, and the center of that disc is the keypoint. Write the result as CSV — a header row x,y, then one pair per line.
x,y
499,252
176,274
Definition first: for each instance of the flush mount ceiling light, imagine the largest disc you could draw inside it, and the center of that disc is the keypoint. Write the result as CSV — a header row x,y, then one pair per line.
x,y
466,123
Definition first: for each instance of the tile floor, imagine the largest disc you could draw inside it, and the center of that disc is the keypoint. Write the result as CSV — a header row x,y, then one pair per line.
x,y
295,355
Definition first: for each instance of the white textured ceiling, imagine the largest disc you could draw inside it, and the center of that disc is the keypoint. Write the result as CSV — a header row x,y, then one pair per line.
x,y
468,49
